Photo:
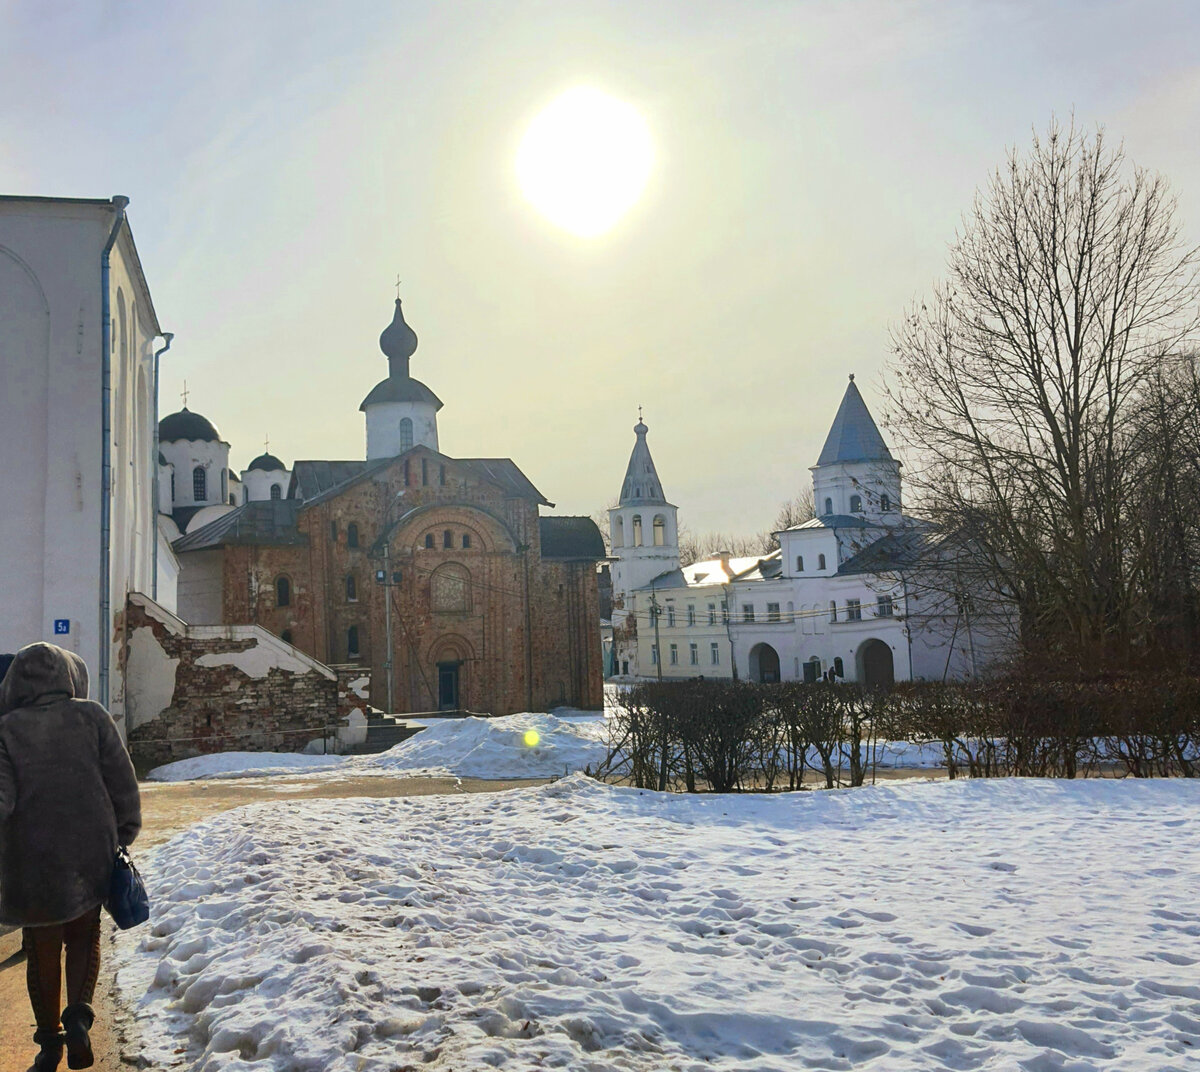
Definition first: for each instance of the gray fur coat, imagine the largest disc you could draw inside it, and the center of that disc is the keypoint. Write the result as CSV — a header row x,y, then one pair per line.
x,y
68,793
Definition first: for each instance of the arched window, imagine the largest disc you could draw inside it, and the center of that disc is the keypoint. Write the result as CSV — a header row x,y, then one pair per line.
x,y
199,484
429,541
352,534
820,561
351,588
618,532
829,506
637,530
352,642
283,592
838,667
885,503
447,539
450,588
276,491
856,504
799,563
660,530
406,435
224,484
466,540
232,501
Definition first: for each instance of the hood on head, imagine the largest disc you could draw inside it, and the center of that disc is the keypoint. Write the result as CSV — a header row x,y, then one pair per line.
x,y
42,672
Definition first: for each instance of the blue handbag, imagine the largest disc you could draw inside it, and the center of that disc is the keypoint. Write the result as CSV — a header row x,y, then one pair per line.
x,y
127,901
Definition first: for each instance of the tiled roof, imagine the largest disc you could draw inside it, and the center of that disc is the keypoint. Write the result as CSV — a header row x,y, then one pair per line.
x,y
571,537
265,521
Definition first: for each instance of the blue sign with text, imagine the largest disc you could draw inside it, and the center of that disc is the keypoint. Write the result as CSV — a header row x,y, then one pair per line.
x,y
62,626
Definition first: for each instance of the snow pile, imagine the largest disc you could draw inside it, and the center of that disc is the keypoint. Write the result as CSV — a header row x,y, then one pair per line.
x,y
1011,924
242,765
529,745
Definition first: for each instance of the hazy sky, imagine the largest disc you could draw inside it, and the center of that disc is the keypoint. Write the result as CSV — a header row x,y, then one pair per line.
x,y
286,160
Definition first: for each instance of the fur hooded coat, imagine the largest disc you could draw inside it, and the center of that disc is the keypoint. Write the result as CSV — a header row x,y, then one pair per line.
x,y
68,792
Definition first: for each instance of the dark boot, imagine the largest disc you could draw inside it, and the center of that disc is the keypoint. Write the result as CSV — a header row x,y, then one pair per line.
x,y
77,1022
50,1054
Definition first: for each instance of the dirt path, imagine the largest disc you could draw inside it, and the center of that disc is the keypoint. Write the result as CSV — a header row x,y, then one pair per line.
x,y
167,809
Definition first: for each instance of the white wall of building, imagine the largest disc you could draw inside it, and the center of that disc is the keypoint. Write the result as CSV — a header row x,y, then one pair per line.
x,y
257,484
185,456
387,435
201,588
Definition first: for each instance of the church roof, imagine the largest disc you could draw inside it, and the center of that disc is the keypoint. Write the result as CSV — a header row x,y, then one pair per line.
x,y
571,537
264,521
187,425
641,485
853,436
268,463
896,551
834,521
398,343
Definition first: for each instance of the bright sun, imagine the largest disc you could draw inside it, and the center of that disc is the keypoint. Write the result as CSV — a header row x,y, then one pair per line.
x,y
584,161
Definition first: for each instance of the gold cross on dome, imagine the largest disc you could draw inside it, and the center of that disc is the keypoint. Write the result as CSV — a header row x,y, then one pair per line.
x,y
397,287
267,445
185,394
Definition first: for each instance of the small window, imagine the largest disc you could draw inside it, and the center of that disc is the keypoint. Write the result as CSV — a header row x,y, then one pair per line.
x,y
837,667
352,642
828,506
283,592
747,612
276,491
447,539
406,434
224,484
883,607
694,654
820,561
832,611
407,473
442,475
660,531
424,470
625,666
712,614
885,502
853,610
799,563
351,588
333,531
466,540
691,614
714,651
674,654
429,541
232,501
618,533
637,530
199,484
352,535
772,612
856,504
286,636
724,613
653,654
670,617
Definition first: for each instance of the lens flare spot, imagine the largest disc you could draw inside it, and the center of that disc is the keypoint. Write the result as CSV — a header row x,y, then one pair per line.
x,y
532,738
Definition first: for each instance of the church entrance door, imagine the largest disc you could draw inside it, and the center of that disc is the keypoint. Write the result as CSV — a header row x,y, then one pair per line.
x,y
877,670
448,686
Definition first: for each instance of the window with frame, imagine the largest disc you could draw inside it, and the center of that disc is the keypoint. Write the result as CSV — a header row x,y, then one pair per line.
x,y
820,561
466,540
828,506
853,610
747,612
653,654
447,539
838,668
883,607
406,434
833,611
637,530
772,612
352,535
694,654
283,592
351,588
199,484
670,616
429,541
352,642
799,563
712,614
691,614
714,653
674,654
660,530
856,504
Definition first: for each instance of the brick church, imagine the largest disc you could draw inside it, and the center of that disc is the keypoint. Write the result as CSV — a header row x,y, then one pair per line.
x,y
490,606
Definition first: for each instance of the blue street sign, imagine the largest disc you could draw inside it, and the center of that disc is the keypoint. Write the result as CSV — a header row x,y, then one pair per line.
x,y
62,626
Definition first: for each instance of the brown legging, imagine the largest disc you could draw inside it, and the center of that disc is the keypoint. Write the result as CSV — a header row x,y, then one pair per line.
x,y
43,967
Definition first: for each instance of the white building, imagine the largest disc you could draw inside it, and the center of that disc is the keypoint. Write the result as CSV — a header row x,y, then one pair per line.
x,y
77,431
858,591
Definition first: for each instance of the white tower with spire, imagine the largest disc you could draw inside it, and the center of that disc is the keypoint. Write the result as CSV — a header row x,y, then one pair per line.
x,y
401,411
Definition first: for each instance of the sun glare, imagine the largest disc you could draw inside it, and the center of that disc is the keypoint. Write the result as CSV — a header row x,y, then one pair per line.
x,y
584,161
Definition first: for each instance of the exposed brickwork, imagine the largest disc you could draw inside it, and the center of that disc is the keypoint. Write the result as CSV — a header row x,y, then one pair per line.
x,y
526,635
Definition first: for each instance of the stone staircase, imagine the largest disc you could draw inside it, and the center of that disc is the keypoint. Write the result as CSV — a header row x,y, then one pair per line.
x,y
383,731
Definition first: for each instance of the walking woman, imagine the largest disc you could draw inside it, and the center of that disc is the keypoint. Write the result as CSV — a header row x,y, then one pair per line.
x,y
68,798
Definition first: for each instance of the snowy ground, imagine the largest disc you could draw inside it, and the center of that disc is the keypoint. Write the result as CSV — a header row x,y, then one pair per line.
x,y
1006,924
515,746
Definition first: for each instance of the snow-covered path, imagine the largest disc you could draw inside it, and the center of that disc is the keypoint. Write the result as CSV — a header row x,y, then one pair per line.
x,y
1003,924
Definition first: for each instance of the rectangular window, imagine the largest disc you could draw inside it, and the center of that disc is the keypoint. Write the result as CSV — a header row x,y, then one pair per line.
x,y
832,611
853,610
691,612
653,654
333,530
674,654
712,614
670,617
694,654
747,612
724,612
772,612
466,539
883,607
715,652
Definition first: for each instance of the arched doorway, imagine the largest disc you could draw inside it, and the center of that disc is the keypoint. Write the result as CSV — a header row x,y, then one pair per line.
x,y
764,663
875,667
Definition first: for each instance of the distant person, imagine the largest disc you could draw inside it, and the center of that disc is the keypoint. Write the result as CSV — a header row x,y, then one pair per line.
x,y
68,798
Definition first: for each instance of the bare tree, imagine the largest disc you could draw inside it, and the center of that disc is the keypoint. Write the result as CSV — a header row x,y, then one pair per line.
x,y
1018,384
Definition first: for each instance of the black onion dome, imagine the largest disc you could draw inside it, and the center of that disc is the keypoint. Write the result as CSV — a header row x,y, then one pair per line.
x,y
187,425
398,342
267,463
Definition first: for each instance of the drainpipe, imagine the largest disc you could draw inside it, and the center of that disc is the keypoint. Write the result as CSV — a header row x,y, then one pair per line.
x,y
166,336
119,203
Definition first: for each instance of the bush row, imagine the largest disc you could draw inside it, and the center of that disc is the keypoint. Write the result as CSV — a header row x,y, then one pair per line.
x,y
731,736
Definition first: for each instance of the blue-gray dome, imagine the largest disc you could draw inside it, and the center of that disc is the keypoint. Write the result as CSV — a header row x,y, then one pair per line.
x,y
187,425
267,463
